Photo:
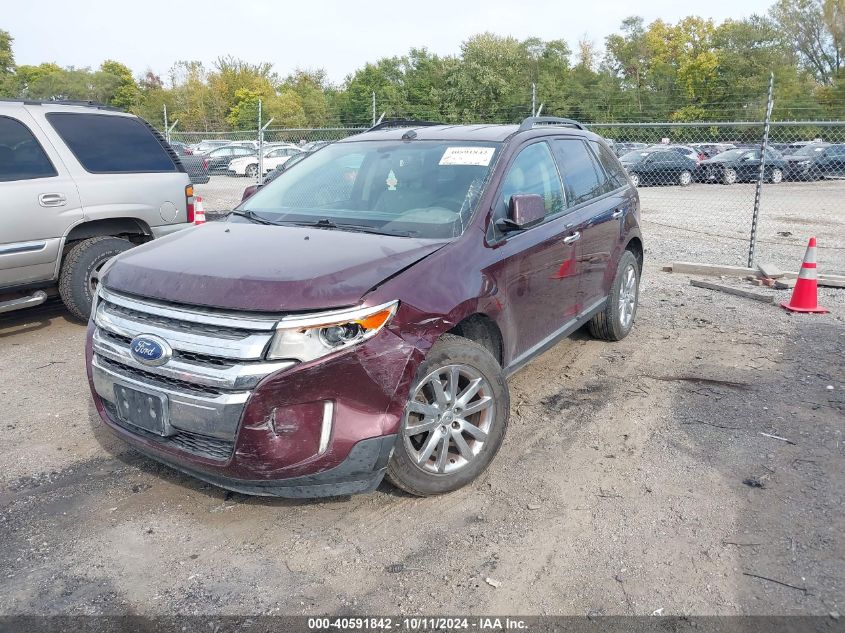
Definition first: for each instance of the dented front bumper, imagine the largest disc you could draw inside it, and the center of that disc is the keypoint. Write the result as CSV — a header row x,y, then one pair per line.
x,y
315,429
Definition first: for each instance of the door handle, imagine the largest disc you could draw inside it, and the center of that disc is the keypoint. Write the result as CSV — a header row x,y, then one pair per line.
x,y
52,200
617,214
572,238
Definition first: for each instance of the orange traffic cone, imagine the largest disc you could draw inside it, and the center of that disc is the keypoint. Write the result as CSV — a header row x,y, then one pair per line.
x,y
199,211
805,296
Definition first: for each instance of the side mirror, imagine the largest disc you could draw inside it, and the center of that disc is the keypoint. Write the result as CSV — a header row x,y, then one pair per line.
x,y
524,210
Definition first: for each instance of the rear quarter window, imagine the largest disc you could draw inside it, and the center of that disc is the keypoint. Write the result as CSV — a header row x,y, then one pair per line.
x,y
106,144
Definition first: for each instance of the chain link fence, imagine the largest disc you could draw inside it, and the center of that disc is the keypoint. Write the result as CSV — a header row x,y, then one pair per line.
x,y
697,182
699,192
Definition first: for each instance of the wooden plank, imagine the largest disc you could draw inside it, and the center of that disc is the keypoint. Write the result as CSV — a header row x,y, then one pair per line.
x,y
822,277
770,270
739,292
831,283
693,268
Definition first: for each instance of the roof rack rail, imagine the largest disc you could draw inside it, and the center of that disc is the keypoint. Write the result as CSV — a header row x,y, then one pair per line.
x,y
71,102
390,123
530,122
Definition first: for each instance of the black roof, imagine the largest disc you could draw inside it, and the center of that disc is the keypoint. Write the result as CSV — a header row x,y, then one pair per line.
x,y
440,133
428,131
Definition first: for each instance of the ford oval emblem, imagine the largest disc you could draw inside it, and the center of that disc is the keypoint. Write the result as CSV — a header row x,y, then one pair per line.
x,y
150,350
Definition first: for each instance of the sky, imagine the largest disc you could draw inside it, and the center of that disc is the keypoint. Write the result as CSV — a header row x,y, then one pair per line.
x,y
330,34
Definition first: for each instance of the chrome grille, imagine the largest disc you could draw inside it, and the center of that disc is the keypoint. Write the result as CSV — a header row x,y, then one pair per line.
x,y
156,379
179,325
218,358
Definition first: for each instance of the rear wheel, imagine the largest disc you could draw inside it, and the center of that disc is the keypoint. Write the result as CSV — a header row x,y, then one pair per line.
x,y
635,179
251,171
455,419
729,177
685,178
777,176
80,268
615,321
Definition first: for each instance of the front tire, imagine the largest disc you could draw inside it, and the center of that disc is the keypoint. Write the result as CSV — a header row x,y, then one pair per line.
x,y
78,279
685,178
455,419
616,320
776,177
635,179
251,171
729,177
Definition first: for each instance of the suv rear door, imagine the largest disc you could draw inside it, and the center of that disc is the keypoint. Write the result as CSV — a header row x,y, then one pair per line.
x,y
120,167
39,201
598,201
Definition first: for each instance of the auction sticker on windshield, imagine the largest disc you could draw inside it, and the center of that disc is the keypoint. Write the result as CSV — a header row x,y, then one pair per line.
x,y
476,156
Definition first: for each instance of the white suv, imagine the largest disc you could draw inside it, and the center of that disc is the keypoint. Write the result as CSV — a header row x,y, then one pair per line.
x,y
79,183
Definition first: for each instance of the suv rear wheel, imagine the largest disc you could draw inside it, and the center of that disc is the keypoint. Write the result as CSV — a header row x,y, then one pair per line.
x,y
455,420
616,320
78,279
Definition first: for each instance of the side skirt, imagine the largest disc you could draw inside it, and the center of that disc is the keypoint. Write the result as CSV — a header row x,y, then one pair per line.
x,y
554,338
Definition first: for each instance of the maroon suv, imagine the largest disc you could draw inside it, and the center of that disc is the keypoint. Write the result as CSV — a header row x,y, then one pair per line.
x,y
359,315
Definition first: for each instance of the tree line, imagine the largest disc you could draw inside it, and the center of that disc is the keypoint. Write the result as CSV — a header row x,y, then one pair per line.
x,y
692,70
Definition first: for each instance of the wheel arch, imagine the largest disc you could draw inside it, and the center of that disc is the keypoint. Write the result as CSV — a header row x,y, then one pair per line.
x,y
129,228
480,328
635,245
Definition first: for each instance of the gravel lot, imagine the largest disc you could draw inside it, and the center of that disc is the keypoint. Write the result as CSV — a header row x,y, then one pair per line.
x,y
619,489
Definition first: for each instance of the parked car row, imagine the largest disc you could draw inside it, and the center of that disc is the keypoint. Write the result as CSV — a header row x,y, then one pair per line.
x,y
717,162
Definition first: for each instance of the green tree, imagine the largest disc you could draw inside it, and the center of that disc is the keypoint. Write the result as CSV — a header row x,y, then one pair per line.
x,y
126,93
815,29
7,65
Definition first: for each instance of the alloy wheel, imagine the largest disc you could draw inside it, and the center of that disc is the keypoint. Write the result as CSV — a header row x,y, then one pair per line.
x,y
635,180
627,296
448,419
777,176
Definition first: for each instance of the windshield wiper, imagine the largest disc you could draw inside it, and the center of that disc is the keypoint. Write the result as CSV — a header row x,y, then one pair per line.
x,y
325,223
251,215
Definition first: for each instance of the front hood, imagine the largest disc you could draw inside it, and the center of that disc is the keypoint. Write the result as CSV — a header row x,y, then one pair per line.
x,y
265,268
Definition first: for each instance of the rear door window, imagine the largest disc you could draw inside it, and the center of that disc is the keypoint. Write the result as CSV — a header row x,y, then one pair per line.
x,y
21,155
107,144
583,177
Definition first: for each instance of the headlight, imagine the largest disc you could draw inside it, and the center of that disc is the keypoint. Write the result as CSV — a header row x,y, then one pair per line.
x,y
305,338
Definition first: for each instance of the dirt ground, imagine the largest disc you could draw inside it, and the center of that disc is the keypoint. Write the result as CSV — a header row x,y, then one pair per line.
x,y
634,478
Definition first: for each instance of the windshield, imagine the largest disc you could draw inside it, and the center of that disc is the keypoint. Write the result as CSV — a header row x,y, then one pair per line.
x,y
411,188
810,150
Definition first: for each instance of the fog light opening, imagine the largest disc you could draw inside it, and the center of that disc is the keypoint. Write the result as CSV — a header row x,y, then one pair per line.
x,y
326,430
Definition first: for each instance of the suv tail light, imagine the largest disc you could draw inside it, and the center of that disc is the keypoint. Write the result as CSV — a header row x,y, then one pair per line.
x,y
189,202
205,163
